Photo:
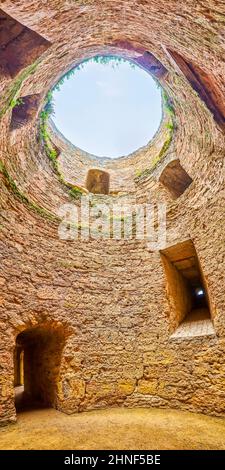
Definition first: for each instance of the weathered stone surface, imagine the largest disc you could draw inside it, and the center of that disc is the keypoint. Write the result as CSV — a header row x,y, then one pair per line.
x,y
109,296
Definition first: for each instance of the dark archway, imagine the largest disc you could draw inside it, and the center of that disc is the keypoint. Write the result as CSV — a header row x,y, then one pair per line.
x,y
37,360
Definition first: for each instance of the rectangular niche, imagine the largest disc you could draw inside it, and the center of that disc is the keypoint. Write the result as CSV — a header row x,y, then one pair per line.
x,y
97,182
151,63
175,179
19,45
190,311
204,84
25,111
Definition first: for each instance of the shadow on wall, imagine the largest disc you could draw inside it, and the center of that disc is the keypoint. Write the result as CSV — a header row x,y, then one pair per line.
x,y
37,360
19,45
204,84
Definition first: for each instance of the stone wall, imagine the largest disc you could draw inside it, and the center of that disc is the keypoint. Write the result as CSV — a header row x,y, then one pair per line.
x,y
109,296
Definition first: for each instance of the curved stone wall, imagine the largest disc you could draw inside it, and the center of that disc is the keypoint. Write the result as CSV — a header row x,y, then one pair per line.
x,y
108,296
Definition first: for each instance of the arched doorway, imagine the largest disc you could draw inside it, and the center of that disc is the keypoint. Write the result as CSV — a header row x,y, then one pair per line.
x,y
37,359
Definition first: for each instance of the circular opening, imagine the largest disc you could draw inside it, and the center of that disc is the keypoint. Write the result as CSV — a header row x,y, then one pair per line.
x,y
107,106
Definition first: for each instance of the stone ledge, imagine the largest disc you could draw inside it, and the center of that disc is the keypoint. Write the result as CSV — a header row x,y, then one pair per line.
x,y
192,329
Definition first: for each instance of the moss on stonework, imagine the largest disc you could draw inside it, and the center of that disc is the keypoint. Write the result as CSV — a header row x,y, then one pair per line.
x,y
50,151
45,137
75,192
16,102
48,111
11,102
170,126
168,105
24,199
12,98
156,159
113,60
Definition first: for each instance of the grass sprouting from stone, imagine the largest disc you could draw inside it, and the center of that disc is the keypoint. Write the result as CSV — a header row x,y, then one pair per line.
x,y
24,199
170,126
14,89
51,152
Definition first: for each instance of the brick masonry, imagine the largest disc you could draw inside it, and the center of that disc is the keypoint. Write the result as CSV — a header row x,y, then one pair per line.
x,y
109,297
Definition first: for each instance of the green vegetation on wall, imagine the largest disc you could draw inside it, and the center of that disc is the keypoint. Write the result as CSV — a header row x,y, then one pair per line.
x,y
13,99
24,199
51,152
170,126
48,111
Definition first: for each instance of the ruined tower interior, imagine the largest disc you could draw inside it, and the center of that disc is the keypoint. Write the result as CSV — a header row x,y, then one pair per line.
x,y
102,324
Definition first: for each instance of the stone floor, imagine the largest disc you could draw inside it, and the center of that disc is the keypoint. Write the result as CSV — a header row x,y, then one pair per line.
x,y
120,429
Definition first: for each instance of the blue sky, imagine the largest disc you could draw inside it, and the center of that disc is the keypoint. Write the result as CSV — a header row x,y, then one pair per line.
x,y
106,111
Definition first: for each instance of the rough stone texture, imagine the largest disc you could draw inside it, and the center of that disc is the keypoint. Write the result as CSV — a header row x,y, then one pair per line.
x,y
109,296
75,163
205,85
19,46
25,112
175,178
